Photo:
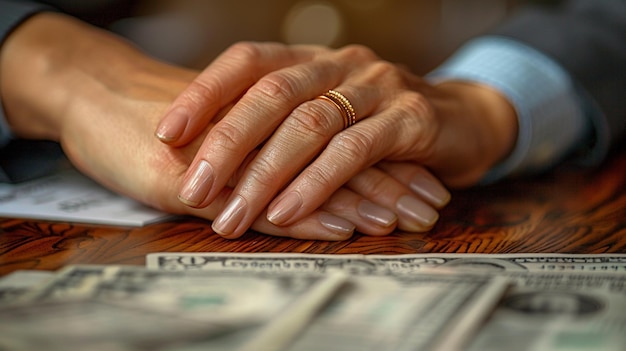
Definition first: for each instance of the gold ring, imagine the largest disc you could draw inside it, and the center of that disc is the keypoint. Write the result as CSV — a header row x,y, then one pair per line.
x,y
343,105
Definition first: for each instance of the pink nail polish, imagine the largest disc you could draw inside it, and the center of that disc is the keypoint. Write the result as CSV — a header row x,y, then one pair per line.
x,y
285,208
227,221
197,184
417,211
338,225
173,125
377,214
430,190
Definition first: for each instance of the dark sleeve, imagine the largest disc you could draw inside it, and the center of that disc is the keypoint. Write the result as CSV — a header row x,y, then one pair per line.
x,y
588,39
22,160
14,12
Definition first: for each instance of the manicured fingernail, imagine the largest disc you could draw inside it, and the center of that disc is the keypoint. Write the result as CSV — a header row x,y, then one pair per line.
x,y
430,190
338,225
197,185
227,221
172,125
377,214
285,208
417,211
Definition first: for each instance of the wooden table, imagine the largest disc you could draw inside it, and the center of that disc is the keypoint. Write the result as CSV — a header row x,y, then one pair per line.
x,y
566,211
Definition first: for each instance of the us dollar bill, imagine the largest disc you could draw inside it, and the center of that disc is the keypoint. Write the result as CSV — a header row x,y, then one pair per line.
x,y
412,312
19,283
554,301
214,296
87,324
131,307
558,311
387,264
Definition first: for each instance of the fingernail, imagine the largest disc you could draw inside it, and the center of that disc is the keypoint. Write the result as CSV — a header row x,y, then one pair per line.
x,y
376,214
338,225
172,125
227,221
197,185
431,190
285,208
417,211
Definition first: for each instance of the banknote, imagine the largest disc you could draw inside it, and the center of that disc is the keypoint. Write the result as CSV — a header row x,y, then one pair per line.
x,y
377,310
558,311
86,324
209,296
554,301
99,303
19,283
387,264
435,312
71,282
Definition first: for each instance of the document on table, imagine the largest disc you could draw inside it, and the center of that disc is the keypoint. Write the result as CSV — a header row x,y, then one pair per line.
x,y
72,197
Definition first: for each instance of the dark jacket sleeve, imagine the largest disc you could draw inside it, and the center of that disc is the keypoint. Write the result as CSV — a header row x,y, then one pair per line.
x,y
588,39
22,160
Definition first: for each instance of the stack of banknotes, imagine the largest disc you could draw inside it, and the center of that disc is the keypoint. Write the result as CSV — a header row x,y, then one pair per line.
x,y
299,302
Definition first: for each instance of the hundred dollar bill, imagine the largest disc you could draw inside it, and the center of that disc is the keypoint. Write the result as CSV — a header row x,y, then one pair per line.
x,y
69,283
556,301
387,264
405,312
21,282
378,309
210,296
558,311
85,324
435,312
273,307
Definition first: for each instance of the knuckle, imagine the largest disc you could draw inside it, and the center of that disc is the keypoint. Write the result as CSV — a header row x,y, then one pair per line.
x,y
388,71
312,118
277,86
262,175
227,136
360,52
354,147
417,122
202,92
415,104
244,51
320,177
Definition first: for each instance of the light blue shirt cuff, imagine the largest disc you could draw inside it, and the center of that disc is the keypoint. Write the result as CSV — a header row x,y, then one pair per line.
x,y
551,118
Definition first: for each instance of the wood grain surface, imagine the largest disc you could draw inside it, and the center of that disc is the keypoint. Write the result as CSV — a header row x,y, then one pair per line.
x,y
569,210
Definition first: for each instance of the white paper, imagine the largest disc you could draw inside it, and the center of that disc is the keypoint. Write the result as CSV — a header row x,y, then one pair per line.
x,y
70,196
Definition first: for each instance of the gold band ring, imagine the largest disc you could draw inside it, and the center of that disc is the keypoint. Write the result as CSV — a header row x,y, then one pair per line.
x,y
343,105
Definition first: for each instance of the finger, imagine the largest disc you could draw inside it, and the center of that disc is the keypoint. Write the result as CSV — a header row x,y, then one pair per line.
x,y
257,114
394,190
337,219
319,225
348,152
323,224
419,180
369,217
297,141
227,78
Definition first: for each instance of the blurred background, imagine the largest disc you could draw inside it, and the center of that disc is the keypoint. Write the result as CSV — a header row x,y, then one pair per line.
x,y
417,33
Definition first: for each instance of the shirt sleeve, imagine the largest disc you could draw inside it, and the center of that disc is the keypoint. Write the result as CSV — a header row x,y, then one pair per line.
x,y
551,116
12,167
12,13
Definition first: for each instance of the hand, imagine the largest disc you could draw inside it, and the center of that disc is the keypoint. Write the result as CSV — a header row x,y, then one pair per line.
x,y
458,130
66,81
